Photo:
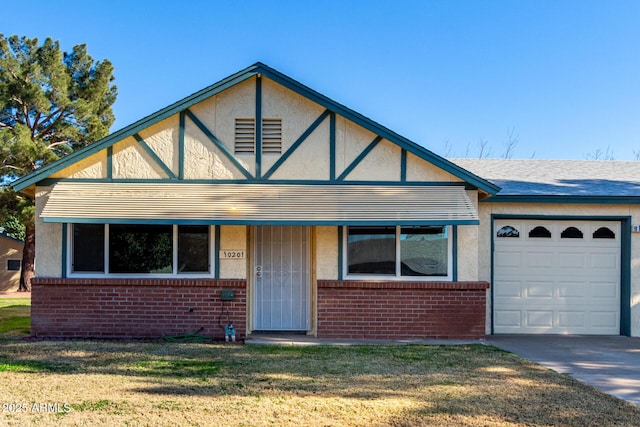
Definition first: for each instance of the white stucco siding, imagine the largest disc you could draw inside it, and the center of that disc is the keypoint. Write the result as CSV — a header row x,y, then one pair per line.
x,y
421,170
297,114
203,160
468,246
568,210
234,237
130,160
326,246
162,138
310,161
351,140
94,166
220,112
381,164
49,240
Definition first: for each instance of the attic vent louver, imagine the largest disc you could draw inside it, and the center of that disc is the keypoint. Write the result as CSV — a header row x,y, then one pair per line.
x,y
245,141
272,136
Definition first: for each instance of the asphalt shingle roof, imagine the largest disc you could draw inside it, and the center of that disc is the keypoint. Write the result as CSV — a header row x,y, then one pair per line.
x,y
558,177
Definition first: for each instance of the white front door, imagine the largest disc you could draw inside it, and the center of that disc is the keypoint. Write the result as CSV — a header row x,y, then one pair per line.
x,y
281,278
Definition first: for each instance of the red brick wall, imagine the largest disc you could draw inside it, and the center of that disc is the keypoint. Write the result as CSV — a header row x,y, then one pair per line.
x,y
134,308
384,310
151,308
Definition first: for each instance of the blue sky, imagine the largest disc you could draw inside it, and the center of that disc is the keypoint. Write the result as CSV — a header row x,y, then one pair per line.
x,y
563,77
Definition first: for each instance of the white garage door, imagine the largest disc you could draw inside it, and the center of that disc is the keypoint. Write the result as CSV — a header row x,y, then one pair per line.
x,y
556,277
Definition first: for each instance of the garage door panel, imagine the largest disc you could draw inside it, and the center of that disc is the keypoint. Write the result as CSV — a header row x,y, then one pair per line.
x,y
605,292
572,291
569,260
557,285
508,318
542,260
604,261
605,320
539,318
508,259
510,289
571,319
539,290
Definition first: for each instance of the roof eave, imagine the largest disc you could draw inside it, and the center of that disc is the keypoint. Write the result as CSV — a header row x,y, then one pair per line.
x,y
258,68
564,199
135,127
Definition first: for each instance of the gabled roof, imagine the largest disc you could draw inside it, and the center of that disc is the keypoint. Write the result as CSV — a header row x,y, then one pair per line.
x,y
6,236
584,181
232,80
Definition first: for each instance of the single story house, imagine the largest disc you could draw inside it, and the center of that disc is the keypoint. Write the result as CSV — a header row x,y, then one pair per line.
x,y
10,262
260,202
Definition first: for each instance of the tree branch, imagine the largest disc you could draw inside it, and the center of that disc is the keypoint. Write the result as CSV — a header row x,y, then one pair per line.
x,y
55,144
54,122
35,123
27,122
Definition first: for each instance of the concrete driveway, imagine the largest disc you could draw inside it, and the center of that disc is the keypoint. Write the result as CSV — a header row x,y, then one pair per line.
x,y
609,363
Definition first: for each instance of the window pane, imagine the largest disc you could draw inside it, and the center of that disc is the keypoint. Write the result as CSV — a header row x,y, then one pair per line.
x,y
88,248
372,250
424,251
193,248
140,248
13,264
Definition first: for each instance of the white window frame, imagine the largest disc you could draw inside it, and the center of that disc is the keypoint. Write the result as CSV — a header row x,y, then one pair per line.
x,y
398,276
174,274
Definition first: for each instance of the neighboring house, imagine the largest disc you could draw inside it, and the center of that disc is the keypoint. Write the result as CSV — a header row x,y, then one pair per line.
x,y
261,202
10,262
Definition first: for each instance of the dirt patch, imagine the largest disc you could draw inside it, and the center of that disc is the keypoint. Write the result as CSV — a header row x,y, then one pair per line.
x,y
14,294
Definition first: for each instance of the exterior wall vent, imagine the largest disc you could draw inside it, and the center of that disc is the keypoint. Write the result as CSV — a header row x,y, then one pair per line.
x,y
272,136
245,140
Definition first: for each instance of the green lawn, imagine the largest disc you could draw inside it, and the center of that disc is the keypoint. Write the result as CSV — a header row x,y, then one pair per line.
x,y
15,317
106,383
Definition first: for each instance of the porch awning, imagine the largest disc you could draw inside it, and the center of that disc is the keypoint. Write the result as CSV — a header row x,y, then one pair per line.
x,y
235,203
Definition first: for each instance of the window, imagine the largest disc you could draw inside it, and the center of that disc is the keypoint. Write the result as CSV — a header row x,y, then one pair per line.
x,y
127,249
571,233
540,231
14,264
193,248
604,233
372,250
88,248
407,251
508,231
140,249
245,136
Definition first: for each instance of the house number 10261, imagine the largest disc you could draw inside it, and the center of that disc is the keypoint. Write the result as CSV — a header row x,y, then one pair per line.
x,y
232,254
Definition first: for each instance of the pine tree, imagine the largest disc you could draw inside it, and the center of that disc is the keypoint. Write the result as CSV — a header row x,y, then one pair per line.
x,y
51,103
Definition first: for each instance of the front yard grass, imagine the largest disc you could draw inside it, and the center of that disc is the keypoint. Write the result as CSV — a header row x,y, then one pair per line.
x,y
15,317
163,383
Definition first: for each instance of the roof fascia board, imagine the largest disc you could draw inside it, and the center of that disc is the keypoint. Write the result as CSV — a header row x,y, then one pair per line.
x,y
288,82
607,200
378,129
52,181
134,128
253,222
6,236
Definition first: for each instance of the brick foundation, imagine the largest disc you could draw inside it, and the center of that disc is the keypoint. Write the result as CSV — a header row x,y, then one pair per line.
x,y
152,308
384,310
134,308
